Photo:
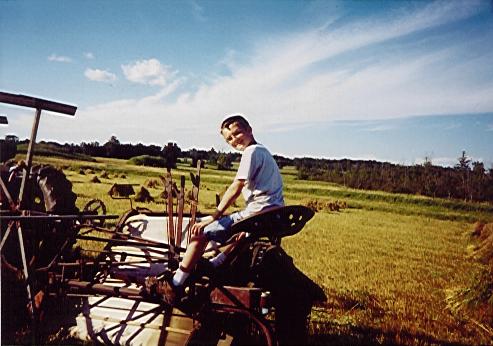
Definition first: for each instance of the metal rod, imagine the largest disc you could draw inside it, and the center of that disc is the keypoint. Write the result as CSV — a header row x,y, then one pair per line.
x,y
195,199
6,235
56,217
106,289
171,230
181,204
33,102
149,257
29,156
30,294
7,194
138,324
142,243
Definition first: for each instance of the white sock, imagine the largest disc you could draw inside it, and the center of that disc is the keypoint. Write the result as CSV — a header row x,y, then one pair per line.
x,y
218,260
180,277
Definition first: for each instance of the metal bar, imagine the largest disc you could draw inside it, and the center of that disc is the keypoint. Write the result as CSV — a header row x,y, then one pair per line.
x,y
75,264
138,324
33,102
6,235
171,230
195,199
150,258
148,249
29,156
7,194
181,203
56,217
106,289
30,295
125,242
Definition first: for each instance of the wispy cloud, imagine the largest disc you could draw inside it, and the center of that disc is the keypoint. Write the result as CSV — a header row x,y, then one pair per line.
x,y
379,128
453,126
89,55
489,127
99,75
197,11
317,75
150,72
59,58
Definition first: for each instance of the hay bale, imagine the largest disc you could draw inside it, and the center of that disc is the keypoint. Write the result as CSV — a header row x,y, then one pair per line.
x,y
486,231
89,171
330,206
484,251
313,204
153,183
121,190
477,228
123,176
143,195
104,175
341,204
81,172
476,300
95,179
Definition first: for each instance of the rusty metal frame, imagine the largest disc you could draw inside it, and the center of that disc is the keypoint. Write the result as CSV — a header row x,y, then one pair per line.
x,y
39,105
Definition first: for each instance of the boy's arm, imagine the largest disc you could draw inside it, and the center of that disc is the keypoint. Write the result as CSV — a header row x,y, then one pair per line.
x,y
231,194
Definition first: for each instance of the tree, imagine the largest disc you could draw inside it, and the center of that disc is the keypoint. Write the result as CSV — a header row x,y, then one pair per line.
x,y
224,161
212,156
463,168
478,178
171,152
112,147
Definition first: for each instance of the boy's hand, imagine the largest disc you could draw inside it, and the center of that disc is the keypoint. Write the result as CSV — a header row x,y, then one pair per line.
x,y
198,228
240,236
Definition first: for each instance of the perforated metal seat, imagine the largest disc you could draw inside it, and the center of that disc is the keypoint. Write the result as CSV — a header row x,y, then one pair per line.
x,y
277,222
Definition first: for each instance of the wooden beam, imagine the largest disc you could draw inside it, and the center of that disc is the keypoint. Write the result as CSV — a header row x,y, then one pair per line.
x,y
33,102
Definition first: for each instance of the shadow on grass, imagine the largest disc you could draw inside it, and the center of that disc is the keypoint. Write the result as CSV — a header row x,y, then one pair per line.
x,y
332,334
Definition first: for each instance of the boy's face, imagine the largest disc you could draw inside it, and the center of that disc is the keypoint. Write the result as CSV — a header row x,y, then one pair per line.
x,y
238,135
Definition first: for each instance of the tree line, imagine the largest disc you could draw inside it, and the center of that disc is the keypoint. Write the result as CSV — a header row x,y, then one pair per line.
x,y
468,180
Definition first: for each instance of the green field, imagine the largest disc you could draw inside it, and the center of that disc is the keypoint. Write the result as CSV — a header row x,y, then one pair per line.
x,y
385,262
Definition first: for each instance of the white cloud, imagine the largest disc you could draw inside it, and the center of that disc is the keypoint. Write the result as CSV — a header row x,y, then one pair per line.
x,y
89,55
302,77
150,72
99,75
59,58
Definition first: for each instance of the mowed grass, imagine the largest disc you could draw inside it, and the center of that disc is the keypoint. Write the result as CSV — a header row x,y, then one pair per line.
x,y
384,262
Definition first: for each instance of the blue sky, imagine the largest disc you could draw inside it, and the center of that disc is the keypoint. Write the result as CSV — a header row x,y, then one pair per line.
x,y
386,80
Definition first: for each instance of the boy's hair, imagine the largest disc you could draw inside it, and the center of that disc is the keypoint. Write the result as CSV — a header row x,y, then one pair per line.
x,y
233,119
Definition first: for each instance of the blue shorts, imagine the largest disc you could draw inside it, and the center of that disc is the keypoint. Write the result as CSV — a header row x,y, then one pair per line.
x,y
220,230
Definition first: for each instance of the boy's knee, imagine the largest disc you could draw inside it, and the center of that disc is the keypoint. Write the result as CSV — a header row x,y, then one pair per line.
x,y
199,239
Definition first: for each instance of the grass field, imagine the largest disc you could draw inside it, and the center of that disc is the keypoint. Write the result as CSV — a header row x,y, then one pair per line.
x,y
385,261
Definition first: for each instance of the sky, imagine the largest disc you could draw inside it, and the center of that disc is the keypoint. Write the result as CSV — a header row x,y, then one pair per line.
x,y
395,81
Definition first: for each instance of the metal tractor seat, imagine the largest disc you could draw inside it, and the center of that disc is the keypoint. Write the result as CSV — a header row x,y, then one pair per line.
x,y
275,223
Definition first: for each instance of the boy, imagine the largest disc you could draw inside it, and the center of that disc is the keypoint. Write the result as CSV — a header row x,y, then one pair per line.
x,y
258,179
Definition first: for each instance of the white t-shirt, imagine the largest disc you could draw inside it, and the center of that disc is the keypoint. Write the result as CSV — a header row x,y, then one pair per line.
x,y
263,182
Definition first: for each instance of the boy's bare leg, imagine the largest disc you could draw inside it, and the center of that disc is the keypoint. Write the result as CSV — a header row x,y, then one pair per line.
x,y
193,253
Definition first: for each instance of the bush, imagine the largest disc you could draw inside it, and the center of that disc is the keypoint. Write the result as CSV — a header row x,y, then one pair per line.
x,y
148,160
